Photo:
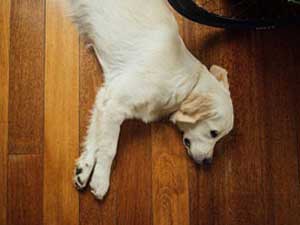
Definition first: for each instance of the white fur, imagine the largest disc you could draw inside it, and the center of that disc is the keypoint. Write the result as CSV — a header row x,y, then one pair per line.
x,y
148,74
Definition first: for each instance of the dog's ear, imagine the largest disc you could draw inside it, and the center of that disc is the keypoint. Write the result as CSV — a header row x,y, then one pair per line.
x,y
194,108
220,74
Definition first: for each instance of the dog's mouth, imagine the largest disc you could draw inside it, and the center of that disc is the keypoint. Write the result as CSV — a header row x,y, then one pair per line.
x,y
190,155
205,161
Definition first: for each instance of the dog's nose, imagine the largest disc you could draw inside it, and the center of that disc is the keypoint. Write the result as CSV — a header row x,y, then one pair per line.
x,y
207,161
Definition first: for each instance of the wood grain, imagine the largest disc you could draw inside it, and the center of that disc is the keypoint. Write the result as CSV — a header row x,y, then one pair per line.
x,y
246,151
92,211
25,133
254,179
25,200
170,196
4,79
61,202
281,172
133,175
296,72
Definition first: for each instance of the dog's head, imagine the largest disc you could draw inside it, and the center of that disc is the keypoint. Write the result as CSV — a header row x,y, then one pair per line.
x,y
206,116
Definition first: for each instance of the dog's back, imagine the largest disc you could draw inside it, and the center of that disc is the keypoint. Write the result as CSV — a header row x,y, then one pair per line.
x,y
119,28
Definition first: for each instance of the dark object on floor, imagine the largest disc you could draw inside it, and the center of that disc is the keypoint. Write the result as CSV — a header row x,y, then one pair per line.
x,y
241,14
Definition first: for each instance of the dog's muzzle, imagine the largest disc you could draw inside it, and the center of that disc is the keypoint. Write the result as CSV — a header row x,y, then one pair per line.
x,y
200,161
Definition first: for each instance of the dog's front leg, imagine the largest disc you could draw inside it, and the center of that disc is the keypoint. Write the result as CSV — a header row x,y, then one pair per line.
x,y
100,145
107,140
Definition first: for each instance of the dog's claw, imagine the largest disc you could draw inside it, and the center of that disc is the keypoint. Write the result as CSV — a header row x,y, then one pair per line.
x,y
79,181
78,170
82,173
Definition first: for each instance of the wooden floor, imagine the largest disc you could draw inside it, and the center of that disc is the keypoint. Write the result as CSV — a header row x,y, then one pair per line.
x,y
48,81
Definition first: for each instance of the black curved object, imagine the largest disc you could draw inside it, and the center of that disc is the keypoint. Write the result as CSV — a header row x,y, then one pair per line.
x,y
192,11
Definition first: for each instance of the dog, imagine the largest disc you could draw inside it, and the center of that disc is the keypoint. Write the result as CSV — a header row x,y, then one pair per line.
x,y
149,74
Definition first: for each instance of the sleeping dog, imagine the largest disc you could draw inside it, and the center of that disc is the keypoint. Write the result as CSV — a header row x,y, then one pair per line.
x,y
149,74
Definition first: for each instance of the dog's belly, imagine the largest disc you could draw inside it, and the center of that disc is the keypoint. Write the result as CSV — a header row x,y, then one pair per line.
x,y
124,30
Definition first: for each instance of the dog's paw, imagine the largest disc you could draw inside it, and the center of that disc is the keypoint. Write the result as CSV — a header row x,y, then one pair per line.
x,y
82,173
99,183
99,192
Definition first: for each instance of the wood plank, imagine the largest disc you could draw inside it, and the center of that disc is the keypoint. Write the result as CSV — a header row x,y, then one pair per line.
x,y
4,79
170,192
133,174
92,211
281,172
246,151
296,72
4,55
25,179
61,201
3,173
25,133
294,82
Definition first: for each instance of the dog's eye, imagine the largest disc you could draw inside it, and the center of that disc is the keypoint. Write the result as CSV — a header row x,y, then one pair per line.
x,y
187,142
214,133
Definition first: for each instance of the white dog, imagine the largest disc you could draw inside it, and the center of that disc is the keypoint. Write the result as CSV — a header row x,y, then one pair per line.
x,y
149,73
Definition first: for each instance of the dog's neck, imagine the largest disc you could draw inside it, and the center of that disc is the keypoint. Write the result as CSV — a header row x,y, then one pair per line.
x,y
204,84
